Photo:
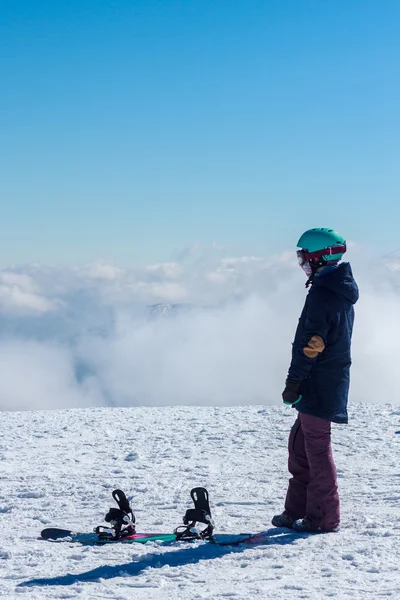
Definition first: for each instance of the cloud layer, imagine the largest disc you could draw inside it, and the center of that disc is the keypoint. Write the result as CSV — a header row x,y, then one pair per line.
x,y
207,329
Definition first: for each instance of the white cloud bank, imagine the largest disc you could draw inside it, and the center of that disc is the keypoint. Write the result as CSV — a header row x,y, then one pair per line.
x,y
215,331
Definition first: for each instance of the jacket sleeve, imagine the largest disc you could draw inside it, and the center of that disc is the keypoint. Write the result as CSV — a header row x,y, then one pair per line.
x,y
314,337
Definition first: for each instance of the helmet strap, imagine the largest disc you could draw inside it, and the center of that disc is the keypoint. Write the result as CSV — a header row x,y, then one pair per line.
x,y
315,264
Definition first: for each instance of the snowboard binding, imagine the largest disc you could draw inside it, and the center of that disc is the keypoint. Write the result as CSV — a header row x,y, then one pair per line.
x,y
201,513
121,519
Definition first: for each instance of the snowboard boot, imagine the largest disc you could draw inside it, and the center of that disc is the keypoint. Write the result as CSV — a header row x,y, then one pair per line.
x,y
306,526
283,520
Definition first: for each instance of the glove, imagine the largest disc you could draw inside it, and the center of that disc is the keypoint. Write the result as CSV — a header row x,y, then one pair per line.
x,y
291,394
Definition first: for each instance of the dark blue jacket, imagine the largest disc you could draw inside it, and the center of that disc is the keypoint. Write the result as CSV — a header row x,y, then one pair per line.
x,y
329,313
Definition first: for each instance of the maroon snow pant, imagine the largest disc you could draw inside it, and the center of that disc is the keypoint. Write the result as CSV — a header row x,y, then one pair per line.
x,y
313,491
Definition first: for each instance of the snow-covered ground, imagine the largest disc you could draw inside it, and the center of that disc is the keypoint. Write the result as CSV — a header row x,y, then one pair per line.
x,y
59,468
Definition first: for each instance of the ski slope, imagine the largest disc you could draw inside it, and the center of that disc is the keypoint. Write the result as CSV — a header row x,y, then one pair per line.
x,y
59,468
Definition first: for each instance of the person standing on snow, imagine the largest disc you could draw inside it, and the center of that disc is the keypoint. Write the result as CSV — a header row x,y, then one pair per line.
x,y
318,383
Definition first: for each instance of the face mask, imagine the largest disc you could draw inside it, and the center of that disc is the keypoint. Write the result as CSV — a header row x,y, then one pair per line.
x,y
304,262
307,269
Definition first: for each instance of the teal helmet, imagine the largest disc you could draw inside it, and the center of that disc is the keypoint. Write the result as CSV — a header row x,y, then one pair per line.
x,y
314,241
319,247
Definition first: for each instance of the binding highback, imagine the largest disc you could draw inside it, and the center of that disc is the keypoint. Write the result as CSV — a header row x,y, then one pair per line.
x,y
121,519
201,513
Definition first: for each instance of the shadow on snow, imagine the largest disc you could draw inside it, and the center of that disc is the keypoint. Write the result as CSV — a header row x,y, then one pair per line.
x,y
174,558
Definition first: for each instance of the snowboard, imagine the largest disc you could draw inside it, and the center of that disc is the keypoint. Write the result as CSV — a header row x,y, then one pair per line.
x,y
55,534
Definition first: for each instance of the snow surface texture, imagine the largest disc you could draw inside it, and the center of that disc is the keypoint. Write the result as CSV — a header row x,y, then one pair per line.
x,y
59,468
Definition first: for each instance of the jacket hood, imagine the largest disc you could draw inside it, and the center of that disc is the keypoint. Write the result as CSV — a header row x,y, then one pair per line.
x,y
339,279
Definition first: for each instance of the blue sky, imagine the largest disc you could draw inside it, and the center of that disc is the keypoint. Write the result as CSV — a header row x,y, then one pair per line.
x,y
130,129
